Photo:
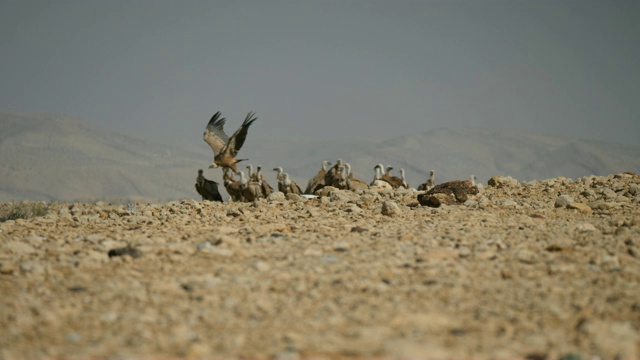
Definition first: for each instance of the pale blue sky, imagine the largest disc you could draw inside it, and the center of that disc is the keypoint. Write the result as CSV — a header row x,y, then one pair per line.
x,y
327,68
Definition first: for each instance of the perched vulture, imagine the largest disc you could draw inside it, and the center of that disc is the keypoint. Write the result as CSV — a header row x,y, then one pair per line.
x,y
404,179
430,183
353,183
317,182
250,189
266,188
252,175
332,176
394,181
226,148
289,186
208,189
232,186
280,178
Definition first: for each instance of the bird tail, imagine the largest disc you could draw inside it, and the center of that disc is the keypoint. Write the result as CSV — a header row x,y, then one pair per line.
x,y
241,160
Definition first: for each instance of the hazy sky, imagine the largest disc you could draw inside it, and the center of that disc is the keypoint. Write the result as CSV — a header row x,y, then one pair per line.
x,y
327,68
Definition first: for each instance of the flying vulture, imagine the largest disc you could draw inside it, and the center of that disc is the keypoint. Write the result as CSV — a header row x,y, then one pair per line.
x,y
226,148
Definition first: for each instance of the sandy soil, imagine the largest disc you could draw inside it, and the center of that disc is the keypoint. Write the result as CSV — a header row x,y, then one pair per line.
x,y
517,271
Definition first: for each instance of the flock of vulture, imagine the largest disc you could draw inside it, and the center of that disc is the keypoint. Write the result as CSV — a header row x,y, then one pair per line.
x,y
252,186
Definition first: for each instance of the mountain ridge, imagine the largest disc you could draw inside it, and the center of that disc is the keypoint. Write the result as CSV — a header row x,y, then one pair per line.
x,y
55,157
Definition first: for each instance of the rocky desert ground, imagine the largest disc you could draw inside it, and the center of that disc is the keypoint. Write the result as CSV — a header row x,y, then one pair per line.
x,y
535,270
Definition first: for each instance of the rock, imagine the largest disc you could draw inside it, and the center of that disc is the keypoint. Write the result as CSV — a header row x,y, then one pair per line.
x,y
32,267
563,201
609,194
509,204
502,181
276,196
344,195
295,197
131,251
527,256
436,200
610,263
380,186
390,208
581,207
326,191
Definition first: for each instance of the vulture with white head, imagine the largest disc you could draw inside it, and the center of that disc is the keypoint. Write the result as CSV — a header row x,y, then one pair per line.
x,y
232,186
280,178
353,183
289,186
266,188
394,181
317,182
250,189
431,182
332,176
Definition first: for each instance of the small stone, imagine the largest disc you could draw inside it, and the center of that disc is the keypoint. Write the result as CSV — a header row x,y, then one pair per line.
x,y
502,181
295,197
32,267
563,201
509,204
262,266
131,251
584,227
276,196
581,207
609,194
234,213
527,256
203,245
7,268
390,208
610,263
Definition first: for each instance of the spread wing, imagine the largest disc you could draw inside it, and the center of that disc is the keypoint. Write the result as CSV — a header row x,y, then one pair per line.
x,y
238,138
214,134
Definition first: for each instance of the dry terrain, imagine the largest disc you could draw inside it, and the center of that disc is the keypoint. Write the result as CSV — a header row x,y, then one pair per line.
x,y
542,269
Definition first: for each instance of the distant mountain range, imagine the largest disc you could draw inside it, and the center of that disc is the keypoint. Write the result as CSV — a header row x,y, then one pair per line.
x,y
56,157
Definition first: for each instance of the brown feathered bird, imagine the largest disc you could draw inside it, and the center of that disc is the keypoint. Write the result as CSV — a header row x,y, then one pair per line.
x,y
208,189
226,148
394,181
232,186
317,182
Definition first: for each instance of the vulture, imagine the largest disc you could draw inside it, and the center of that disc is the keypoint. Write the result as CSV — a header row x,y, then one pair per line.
x,y
250,189
252,175
232,186
226,148
332,176
289,186
430,183
208,189
394,181
280,178
317,182
404,179
353,183
266,188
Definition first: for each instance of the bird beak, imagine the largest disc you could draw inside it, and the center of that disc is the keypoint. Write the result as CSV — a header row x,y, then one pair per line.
x,y
213,166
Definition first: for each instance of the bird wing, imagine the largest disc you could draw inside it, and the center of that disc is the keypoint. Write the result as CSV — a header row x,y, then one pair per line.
x,y
237,139
214,134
